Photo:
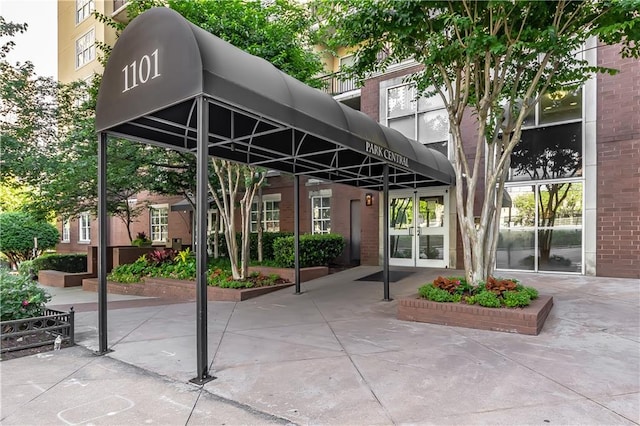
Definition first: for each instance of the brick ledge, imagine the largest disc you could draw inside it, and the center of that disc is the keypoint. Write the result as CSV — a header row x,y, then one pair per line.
x,y
528,320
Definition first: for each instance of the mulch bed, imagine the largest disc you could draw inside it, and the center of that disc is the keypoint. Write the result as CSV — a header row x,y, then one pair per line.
x,y
31,338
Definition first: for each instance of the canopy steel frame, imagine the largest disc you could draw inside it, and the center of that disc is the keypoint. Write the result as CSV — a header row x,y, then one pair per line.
x,y
192,92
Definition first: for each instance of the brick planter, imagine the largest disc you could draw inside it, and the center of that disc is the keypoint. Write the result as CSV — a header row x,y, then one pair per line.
x,y
167,288
528,320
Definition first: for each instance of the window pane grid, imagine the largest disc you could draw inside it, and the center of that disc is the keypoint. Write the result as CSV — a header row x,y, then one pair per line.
x,y
159,224
321,215
270,216
85,49
84,8
85,227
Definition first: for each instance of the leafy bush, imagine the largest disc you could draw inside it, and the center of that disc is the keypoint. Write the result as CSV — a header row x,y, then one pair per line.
x,y
141,240
130,272
315,250
268,238
516,299
18,231
494,293
71,263
20,297
430,292
488,299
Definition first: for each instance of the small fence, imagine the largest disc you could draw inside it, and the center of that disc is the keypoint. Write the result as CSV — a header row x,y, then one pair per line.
x,y
37,331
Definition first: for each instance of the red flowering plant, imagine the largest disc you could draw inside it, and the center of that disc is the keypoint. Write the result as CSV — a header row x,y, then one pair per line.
x,y
20,297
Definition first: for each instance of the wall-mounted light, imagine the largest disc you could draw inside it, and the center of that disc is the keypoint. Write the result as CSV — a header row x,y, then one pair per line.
x,y
368,199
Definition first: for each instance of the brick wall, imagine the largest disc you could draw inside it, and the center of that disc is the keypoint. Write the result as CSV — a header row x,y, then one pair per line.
x,y
618,163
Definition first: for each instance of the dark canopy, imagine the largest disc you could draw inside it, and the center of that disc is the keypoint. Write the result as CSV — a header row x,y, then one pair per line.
x,y
258,115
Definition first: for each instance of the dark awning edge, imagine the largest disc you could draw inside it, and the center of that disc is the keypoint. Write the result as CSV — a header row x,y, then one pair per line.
x,y
258,114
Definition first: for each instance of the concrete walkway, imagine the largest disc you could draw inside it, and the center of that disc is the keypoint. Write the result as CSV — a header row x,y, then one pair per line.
x,y
336,355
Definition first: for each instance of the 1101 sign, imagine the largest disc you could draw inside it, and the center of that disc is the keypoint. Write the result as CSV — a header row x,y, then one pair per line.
x,y
140,71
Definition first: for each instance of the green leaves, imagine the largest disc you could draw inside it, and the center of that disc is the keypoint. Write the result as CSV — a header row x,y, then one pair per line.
x,y
20,297
18,231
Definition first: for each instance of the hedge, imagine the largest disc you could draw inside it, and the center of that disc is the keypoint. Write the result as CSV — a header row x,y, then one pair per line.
x,y
315,250
71,263
268,239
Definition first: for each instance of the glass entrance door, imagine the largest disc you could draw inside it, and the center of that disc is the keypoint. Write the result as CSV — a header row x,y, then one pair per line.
x,y
419,229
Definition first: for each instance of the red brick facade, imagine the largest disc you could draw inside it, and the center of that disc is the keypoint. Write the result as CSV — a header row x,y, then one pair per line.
x,y
618,164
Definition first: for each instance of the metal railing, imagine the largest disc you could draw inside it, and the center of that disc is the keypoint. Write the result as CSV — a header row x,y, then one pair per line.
x,y
338,83
27,333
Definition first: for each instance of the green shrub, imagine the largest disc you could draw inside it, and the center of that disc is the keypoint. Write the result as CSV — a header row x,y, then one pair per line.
x,y
71,263
488,299
532,292
268,238
436,294
516,299
20,297
315,250
18,231
130,272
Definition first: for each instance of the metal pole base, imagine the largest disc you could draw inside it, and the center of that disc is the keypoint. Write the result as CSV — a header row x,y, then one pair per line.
x,y
100,353
202,380
387,300
299,292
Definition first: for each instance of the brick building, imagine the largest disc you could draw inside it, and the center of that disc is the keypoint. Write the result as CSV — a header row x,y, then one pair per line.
x,y
595,228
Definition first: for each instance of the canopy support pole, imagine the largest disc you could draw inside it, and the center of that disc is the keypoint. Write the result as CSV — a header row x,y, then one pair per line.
x,y
102,245
385,224
296,230
202,189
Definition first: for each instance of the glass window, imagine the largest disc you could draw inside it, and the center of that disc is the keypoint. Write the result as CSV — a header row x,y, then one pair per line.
x,y
84,9
84,225
270,216
159,216
425,119
85,49
560,105
321,215
541,228
552,152
66,231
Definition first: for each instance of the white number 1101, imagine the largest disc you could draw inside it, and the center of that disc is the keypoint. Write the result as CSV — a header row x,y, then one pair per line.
x,y
141,72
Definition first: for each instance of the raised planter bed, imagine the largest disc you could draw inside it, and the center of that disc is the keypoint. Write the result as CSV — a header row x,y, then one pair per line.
x,y
37,331
527,320
167,288
52,278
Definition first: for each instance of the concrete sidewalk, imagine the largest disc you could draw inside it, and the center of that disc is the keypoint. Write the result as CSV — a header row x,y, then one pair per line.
x,y
336,355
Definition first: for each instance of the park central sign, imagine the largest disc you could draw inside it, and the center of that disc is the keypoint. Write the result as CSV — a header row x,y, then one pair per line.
x,y
387,154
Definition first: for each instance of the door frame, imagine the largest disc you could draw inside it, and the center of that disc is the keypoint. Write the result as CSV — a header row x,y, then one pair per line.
x,y
414,230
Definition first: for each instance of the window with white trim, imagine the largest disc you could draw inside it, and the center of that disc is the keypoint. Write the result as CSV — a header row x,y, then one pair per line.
x,y
159,217
320,215
84,226
424,119
84,9
86,48
66,230
270,213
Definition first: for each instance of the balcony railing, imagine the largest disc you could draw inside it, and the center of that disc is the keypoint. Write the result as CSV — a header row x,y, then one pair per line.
x,y
338,83
117,4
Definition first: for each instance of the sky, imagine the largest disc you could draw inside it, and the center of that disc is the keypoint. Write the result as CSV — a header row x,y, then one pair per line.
x,y
40,43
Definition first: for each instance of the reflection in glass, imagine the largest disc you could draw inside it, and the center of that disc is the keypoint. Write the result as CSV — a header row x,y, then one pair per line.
x,y
548,153
401,100
433,126
560,250
405,125
560,204
431,247
401,246
560,105
516,249
431,212
441,147
401,213
521,211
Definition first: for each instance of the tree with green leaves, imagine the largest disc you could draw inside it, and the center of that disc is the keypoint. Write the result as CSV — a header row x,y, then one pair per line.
x,y
24,237
278,32
490,62
49,144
